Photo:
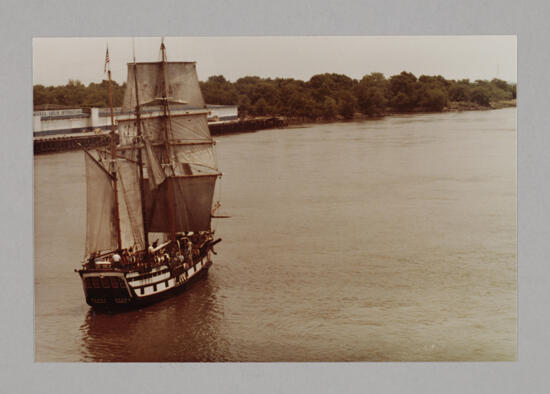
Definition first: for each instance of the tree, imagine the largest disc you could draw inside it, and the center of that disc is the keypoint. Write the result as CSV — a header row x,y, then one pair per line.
x,y
330,108
323,85
347,104
434,99
287,88
480,96
75,93
302,105
327,95
261,107
217,90
371,94
401,102
244,106
459,92
403,88
40,95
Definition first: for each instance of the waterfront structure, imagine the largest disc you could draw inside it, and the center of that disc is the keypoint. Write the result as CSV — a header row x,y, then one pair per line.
x,y
79,120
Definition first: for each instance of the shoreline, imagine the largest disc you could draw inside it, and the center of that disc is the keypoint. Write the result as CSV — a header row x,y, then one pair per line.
x,y
455,106
73,142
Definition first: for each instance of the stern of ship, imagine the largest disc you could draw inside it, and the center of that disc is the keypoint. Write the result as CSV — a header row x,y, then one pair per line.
x,y
106,289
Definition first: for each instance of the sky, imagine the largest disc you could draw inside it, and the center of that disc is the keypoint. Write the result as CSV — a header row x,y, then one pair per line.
x,y
57,60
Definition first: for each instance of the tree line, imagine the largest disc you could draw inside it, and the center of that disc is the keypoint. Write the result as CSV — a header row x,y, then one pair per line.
x,y
76,95
324,96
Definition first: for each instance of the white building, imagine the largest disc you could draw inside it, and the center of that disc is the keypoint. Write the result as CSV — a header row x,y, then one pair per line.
x,y
68,121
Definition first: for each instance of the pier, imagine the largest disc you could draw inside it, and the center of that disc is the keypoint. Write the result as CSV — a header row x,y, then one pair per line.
x,y
64,143
91,140
244,125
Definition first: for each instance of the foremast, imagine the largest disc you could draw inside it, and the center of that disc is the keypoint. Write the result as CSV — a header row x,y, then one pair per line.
x,y
113,151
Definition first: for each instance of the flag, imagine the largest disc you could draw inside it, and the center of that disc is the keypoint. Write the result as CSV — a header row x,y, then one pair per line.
x,y
106,60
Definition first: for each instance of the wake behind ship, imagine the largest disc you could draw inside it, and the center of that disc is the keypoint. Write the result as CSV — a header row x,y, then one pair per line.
x,y
149,199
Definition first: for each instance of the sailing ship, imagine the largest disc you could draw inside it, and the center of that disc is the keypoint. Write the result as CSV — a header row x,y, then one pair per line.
x,y
149,198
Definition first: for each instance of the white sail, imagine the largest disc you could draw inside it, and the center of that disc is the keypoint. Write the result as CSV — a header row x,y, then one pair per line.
x,y
192,128
100,207
129,203
182,127
182,84
198,155
188,138
127,131
177,150
154,169
158,182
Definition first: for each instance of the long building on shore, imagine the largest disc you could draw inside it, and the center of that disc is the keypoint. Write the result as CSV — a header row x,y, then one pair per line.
x,y
69,129
48,123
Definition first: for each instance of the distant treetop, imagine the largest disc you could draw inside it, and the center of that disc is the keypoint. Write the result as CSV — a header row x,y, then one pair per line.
x,y
324,96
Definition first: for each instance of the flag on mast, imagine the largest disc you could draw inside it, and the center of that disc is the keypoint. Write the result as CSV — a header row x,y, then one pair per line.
x,y
107,62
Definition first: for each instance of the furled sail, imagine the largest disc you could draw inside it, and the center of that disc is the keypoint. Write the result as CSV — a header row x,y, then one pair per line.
x,y
100,206
182,84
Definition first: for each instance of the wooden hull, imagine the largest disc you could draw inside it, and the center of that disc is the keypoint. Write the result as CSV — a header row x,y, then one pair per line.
x,y
116,289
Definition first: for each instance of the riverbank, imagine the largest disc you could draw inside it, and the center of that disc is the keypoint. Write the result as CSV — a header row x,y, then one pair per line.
x,y
90,141
454,106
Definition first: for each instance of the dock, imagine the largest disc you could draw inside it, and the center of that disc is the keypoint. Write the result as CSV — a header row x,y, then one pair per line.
x,y
67,142
91,140
245,125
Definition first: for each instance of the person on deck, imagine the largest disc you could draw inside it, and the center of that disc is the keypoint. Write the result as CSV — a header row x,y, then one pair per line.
x,y
116,259
190,251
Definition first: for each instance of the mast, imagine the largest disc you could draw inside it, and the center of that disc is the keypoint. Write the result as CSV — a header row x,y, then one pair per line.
x,y
140,159
171,207
113,151
168,143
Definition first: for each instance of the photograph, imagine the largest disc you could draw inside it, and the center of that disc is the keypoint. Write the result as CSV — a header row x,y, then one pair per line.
x,y
275,198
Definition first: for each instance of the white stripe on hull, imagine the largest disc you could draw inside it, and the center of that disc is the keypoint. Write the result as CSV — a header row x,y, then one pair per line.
x,y
138,285
173,282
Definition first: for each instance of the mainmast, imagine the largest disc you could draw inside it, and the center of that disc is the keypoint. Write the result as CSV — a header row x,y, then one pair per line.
x,y
113,150
171,164
175,198
140,159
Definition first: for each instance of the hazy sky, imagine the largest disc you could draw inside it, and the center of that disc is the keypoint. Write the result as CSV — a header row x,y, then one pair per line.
x,y
56,60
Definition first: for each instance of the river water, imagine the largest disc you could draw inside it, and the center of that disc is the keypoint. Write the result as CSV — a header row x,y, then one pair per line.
x,y
384,240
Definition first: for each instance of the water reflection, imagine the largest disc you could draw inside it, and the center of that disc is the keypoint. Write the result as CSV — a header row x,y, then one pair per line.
x,y
182,328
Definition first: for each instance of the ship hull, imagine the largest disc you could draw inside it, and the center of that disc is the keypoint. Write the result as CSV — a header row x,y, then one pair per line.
x,y
114,289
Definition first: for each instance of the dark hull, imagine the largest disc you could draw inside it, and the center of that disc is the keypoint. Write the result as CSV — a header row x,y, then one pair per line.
x,y
127,297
